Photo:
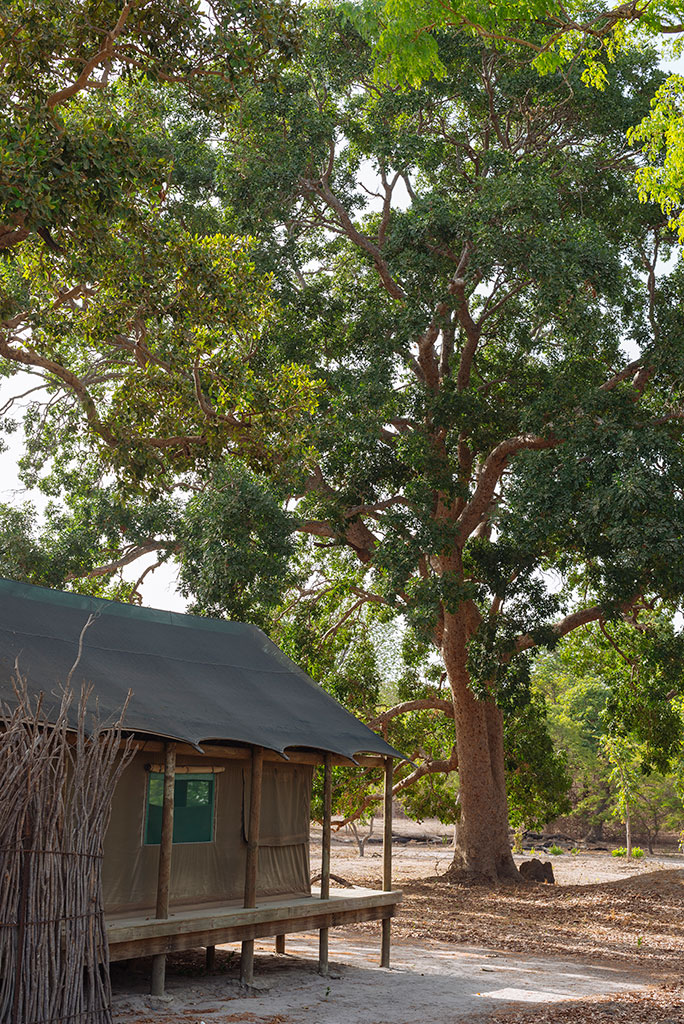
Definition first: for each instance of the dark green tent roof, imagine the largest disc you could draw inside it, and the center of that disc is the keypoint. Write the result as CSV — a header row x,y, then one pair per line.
x,y
192,679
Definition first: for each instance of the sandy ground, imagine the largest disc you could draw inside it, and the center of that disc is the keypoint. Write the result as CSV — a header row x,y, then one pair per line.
x,y
433,984
606,944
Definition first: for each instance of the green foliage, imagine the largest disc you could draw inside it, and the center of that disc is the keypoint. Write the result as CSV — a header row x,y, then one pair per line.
x,y
236,544
661,134
556,851
537,775
406,39
79,152
548,34
620,851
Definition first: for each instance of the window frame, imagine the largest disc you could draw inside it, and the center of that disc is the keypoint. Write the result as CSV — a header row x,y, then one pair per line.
x,y
209,775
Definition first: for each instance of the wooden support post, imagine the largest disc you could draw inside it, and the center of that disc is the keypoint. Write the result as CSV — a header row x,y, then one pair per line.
x,y
387,858
280,943
164,874
247,954
210,960
325,860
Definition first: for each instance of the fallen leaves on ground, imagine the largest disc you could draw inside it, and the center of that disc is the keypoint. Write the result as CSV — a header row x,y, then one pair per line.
x,y
636,921
661,1005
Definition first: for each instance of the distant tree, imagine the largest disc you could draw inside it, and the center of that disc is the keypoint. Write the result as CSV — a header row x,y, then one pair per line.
x,y
658,808
623,757
576,698
614,701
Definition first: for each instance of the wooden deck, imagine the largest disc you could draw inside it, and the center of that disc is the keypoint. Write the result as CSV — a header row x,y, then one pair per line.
x,y
213,924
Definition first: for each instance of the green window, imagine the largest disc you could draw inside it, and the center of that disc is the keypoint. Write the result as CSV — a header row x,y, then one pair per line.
x,y
193,811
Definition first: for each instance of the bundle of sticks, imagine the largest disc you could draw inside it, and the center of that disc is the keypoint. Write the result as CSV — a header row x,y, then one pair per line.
x,y
58,772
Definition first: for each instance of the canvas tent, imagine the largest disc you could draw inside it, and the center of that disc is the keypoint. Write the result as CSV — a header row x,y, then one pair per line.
x,y
212,814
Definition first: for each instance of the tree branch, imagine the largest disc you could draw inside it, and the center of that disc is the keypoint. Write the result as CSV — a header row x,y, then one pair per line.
x,y
363,242
32,358
623,374
130,556
103,55
492,470
424,704
566,625
441,767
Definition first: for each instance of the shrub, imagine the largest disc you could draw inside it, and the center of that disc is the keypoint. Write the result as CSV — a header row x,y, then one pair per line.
x,y
637,852
620,852
556,851
575,850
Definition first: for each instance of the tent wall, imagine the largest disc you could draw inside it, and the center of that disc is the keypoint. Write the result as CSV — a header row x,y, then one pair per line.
x,y
212,871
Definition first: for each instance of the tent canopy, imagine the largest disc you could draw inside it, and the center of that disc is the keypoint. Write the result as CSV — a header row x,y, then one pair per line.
x,y
192,679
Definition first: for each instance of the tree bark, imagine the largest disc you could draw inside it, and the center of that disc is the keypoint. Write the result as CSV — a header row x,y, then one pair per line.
x,y
482,850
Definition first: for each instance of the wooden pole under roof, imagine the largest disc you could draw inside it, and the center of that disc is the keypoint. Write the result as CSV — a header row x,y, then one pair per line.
x,y
387,858
325,859
247,955
165,853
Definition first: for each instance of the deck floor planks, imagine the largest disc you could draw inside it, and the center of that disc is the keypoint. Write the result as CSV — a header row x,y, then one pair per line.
x,y
212,924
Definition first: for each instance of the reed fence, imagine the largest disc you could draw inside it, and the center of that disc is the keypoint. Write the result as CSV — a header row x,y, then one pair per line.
x,y
57,777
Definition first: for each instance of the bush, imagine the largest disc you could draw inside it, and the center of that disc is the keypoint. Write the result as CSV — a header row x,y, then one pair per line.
x,y
556,851
620,852
575,850
637,852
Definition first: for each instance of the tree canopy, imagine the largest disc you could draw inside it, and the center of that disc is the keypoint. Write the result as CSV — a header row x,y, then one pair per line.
x,y
413,345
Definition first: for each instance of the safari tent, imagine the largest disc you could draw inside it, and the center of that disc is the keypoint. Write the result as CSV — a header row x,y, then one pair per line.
x,y
208,840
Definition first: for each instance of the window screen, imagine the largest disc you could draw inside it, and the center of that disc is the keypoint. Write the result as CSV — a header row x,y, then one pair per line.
x,y
193,814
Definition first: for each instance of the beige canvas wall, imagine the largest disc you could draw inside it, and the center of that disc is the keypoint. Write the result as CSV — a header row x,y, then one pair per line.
x,y
214,871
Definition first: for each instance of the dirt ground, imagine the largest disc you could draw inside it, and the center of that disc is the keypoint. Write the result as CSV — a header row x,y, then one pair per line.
x,y
604,945
602,907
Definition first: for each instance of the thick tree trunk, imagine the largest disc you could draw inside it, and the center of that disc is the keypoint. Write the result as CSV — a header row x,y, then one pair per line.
x,y
483,849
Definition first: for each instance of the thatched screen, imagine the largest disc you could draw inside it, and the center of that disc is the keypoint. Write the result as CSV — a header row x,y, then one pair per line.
x,y
57,782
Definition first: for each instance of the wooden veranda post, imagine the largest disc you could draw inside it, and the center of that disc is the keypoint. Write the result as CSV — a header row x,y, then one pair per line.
x,y
387,858
165,852
247,955
325,859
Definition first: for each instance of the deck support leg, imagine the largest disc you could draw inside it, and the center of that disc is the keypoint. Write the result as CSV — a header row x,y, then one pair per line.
x,y
247,963
387,859
280,943
210,960
325,860
164,874
247,954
